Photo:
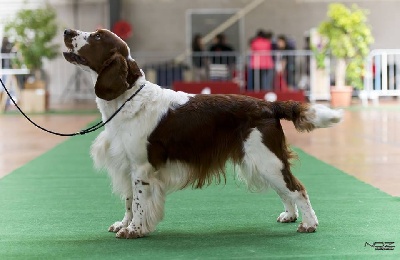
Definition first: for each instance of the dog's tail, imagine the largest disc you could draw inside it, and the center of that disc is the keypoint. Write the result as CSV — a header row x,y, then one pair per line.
x,y
306,117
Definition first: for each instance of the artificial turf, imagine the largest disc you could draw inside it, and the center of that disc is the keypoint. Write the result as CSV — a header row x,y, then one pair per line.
x,y
58,207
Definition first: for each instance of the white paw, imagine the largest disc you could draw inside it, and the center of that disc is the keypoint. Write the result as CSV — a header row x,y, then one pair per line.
x,y
306,227
287,217
117,226
129,233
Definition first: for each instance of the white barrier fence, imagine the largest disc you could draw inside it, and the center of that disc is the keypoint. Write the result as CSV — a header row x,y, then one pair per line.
x,y
9,78
382,77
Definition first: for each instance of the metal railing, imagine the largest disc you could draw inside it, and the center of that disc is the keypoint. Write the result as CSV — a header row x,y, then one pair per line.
x,y
300,72
288,69
291,70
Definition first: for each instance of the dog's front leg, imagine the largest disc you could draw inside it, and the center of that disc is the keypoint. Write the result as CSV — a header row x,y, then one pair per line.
x,y
136,227
127,217
141,204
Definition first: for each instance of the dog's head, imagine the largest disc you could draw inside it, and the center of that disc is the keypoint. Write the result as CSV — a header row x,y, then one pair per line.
x,y
107,55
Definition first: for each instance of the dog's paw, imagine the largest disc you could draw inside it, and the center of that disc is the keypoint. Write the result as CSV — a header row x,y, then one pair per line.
x,y
116,227
286,217
307,228
128,233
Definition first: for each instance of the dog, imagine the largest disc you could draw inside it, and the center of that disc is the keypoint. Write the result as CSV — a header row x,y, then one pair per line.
x,y
163,141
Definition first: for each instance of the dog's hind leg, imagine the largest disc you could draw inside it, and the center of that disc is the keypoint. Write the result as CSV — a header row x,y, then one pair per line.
x,y
293,192
263,168
291,213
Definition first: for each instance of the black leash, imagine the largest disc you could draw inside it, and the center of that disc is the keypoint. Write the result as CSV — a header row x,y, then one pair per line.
x,y
85,131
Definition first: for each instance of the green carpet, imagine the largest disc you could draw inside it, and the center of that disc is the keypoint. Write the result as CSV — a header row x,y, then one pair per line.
x,y
58,207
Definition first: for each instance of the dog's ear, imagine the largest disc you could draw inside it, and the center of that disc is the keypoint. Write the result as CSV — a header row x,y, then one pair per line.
x,y
112,79
133,71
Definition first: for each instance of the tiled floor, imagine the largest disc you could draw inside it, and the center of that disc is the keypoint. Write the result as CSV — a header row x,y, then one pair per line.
x,y
366,144
20,141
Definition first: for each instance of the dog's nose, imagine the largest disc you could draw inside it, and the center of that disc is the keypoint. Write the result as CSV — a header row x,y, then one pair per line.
x,y
67,32
70,33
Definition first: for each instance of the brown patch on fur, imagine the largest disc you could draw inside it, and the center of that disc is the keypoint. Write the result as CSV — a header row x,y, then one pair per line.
x,y
210,129
96,52
296,112
304,194
292,183
133,72
206,132
112,79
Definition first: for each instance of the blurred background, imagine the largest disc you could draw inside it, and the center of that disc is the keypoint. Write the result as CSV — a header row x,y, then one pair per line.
x,y
190,45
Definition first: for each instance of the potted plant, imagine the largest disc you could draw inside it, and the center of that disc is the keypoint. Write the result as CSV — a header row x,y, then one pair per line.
x,y
348,37
32,32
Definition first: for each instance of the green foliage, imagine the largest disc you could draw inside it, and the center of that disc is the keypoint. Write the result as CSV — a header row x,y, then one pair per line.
x,y
33,32
348,37
320,56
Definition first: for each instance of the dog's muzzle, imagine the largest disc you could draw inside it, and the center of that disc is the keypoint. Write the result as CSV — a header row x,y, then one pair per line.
x,y
74,58
70,55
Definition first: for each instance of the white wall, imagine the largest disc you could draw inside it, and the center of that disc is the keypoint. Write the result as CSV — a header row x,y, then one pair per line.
x,y
160,24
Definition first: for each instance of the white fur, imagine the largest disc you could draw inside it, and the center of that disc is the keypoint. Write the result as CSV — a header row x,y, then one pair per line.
x,y
252,171
322,116
80,40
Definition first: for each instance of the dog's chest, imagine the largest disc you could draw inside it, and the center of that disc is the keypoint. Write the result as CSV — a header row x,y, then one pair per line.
x,y
128,132
128,138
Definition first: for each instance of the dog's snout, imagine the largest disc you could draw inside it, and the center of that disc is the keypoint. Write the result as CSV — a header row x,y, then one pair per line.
x,y
70,33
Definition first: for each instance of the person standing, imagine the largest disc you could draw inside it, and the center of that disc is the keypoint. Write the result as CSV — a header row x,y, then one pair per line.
x,y
199,61
261,62
285,64
222,59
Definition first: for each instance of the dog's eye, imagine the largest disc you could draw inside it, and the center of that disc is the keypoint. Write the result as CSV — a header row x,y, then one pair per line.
x,y
97,36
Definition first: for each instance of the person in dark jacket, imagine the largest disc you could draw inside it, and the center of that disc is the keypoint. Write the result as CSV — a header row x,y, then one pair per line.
x,y
199,61
218,48
286,64
222,59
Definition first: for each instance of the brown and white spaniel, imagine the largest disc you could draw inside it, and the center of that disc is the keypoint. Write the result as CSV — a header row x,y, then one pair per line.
x,y
163,141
